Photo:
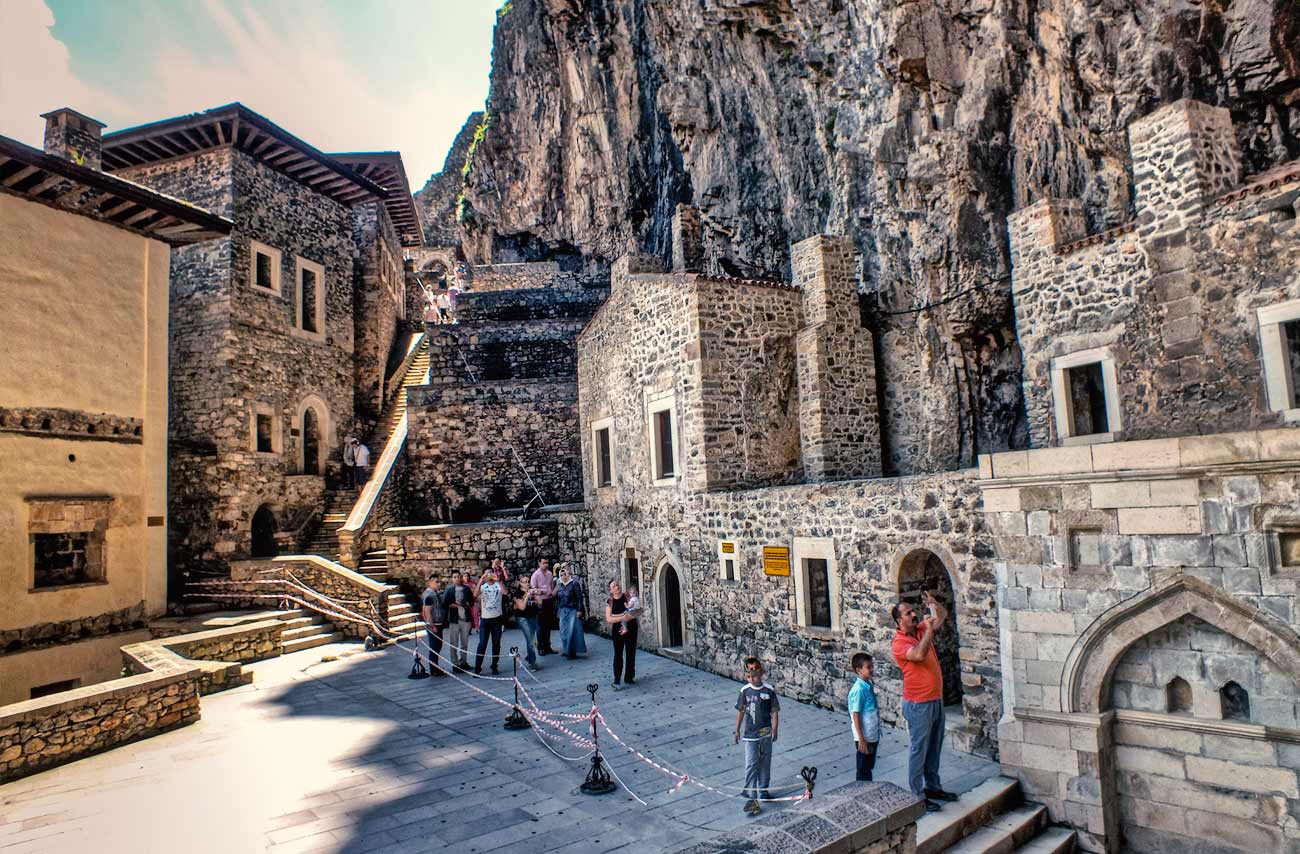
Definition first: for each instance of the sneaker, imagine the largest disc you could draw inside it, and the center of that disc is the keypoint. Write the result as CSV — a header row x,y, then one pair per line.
x,y
752,807
939,795
932,806
534,668
496,671
617,686
630,680
478,671
765,796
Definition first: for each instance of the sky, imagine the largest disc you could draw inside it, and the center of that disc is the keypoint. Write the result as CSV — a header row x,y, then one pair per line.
x,y
344,75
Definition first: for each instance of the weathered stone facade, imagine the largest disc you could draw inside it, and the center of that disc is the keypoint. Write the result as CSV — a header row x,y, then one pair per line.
x,y
748,426
280,341
497,423
415,552
1148,600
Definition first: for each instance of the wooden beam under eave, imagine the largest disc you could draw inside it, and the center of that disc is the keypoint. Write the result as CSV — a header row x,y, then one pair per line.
x,y
196,140
98,200
234,131
249,138
165,144
309,175
266,143
46,184
221,132
179,142
280,161
117,209
136,217
21,175
165,222
177,229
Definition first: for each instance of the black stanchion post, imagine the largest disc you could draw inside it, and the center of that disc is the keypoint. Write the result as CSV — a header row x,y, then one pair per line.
x,y
809,774
598,780
417,666
516,719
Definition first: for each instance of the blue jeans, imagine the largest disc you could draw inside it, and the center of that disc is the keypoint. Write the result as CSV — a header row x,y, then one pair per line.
x,y
528,625
758,766
925,729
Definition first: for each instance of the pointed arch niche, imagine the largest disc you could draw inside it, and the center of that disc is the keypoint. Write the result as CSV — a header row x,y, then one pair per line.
x,y
315,435
1085,682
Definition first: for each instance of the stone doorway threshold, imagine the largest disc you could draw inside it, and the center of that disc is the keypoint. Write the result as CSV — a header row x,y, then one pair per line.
x,y
673,652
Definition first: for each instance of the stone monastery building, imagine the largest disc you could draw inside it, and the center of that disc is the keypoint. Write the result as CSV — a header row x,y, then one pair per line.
x,y
1125,591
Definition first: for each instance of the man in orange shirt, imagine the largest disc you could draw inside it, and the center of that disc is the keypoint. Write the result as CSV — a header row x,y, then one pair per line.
x,y
922,697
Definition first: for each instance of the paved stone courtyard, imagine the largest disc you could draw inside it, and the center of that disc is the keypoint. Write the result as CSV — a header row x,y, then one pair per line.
x,y
351,756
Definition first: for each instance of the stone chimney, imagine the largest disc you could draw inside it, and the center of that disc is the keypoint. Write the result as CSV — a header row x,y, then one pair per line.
x,y
688,240
632,264
1184,155
839,421
75,137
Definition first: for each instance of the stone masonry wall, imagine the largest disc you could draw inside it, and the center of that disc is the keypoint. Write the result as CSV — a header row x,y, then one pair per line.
x,y
416,552
1151,560
1172,296
379,285
236,347
489,445
50,731
874,525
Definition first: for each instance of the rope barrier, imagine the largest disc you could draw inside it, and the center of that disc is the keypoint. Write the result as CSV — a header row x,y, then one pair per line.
x,y
597,776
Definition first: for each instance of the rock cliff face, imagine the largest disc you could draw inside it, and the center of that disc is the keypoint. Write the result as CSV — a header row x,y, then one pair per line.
x,y
440,195
913,128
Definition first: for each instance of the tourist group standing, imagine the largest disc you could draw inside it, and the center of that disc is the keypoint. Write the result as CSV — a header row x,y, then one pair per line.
x,y
537,603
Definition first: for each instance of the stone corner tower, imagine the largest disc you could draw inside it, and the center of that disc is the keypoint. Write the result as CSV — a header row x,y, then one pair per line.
x,y
839,422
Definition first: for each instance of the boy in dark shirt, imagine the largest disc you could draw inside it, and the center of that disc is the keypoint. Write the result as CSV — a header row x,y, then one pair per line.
x,y
434,614
758,712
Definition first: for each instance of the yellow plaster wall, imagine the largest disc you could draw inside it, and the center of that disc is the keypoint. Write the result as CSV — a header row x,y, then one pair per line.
x,y
83,325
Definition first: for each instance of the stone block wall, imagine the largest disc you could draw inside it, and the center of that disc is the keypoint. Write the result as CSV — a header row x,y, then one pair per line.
x,y
1136,581
480,447
875,528
51,731
379,285
236,349
1172,297
415,552
525,276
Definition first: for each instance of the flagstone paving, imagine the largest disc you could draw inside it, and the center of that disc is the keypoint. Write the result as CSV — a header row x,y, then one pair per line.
x,y
351,756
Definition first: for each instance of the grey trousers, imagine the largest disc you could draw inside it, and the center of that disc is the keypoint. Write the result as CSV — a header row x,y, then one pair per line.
x,y
925,729
758,766
457,634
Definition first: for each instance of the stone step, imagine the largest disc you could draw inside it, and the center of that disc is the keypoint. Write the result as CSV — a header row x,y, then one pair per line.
x,y
400,621
332,518
404,608
1005,833
317,639
292,614
309,630
937,831
1053,840
300,622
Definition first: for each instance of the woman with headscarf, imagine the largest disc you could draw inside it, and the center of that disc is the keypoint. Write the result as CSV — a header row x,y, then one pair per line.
x,y
571,599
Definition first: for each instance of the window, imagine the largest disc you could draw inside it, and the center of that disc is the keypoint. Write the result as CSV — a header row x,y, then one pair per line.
x,y
264,267
663,441
63,559
265,428
631,569
1234,702
816,583
309,304
602,453
55,688
1288,548
1178,696
728,561
264,433
1279,339
1085,396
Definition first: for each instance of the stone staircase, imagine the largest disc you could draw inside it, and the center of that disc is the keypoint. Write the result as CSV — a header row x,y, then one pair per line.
x,y
374,565
325,542
992,818
403,615
304,630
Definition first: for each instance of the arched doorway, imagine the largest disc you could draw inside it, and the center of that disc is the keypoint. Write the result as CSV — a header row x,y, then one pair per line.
x,y
264,528
670,588
311,456
924,571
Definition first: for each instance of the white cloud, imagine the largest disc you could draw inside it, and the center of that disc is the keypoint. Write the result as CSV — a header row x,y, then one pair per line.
x,y
36,74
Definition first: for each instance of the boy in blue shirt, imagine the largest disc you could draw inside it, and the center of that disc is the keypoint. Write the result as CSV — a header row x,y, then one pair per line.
x,y
864,714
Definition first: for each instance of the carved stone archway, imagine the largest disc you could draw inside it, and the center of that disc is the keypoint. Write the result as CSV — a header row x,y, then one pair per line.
x,y
1085,681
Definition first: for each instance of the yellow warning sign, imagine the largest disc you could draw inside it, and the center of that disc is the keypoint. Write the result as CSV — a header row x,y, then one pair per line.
x,y
776,560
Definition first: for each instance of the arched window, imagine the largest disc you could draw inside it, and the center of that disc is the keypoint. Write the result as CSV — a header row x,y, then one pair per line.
x,y
1234,702
1178,696
922,571
263,533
